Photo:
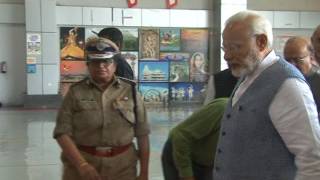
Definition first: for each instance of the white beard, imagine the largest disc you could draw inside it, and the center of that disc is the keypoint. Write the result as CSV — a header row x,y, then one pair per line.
x,y
249,64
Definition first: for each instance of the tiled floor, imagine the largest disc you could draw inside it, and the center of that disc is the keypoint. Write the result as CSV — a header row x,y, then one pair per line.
x,y
28,151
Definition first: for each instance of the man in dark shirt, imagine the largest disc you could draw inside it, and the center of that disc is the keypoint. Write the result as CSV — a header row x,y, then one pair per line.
x,y
220,84
115,35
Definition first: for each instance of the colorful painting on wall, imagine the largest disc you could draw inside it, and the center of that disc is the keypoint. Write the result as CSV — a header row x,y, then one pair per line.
x,y
130,39
193,40
153,71
31,68
73,71
198,67
179,71
132,59
154,92
170,64
31,64
149,43
33,44
72,43
169,39
173,56
181,92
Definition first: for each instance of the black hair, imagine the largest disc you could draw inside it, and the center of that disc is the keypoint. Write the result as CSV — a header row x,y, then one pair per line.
x,y
114,34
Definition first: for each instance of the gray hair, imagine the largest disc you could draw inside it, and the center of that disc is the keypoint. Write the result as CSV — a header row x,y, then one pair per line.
x,y
257,23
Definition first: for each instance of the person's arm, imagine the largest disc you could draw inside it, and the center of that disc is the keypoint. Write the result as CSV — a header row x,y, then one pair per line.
x,y
181,150
144,152
197,126
86,171
63,132
142,131
294,115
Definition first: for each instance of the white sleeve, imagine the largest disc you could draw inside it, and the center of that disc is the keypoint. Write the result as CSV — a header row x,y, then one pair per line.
x,y
211,91
294,115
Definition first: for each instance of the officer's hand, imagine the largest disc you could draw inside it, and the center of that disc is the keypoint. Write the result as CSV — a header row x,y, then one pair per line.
x,y
88,172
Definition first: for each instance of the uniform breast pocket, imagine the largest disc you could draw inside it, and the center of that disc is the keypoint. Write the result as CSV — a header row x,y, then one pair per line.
x,y
126,110
87,115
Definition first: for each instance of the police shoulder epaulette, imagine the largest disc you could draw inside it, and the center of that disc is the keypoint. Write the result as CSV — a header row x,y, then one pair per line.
x,y
132,82
85,80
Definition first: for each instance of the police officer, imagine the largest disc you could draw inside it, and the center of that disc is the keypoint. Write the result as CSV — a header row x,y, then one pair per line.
x,y
98,120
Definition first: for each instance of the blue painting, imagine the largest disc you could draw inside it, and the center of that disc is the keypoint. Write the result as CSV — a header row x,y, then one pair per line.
x,y
154,92
182,92
153,71
169,39
31,68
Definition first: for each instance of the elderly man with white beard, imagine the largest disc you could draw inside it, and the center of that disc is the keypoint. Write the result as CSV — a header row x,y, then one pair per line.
x,y
270,129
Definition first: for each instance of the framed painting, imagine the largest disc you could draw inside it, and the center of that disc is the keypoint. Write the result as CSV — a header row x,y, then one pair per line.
x,y
154,92
193,40
169,39
72,41
153,71
130,39
198,67
73,71
179,71
186,92
132,59
149,44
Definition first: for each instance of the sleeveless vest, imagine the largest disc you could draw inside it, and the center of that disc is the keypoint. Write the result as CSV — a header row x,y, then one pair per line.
x,y
249,147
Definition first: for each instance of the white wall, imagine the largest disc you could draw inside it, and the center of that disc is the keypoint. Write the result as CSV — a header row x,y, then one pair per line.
x,y
285,5
11,1
152,4
12,50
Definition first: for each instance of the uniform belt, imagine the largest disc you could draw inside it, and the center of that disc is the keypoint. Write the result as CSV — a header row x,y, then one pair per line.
x,y
104,151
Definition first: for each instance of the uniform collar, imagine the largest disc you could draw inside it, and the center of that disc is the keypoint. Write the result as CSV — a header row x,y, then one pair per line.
x,y
115,82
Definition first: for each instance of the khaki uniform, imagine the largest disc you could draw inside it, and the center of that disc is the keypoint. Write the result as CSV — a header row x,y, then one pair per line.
x,y
93,117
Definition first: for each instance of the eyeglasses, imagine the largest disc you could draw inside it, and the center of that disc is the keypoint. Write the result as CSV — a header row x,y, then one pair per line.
x,y
98,63
235,47
298,60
